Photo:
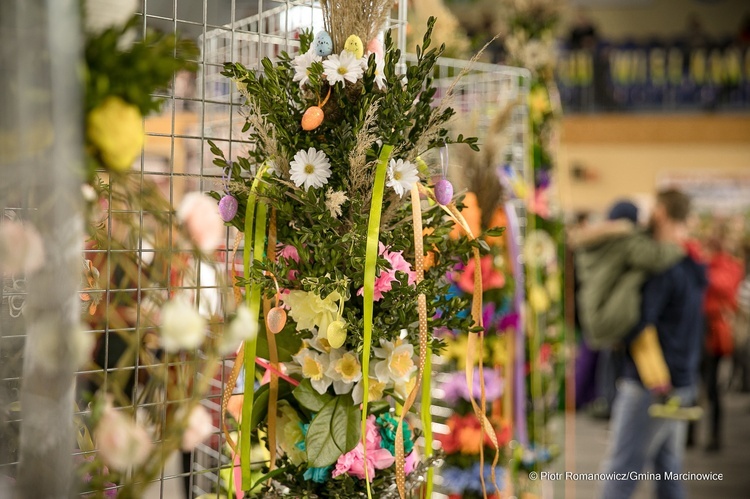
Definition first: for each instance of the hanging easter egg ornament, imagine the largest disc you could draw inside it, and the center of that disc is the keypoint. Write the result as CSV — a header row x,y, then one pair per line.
x,y
375,46
354,45
443,187
443,191
276,317
322,44
276,320
227,207
314,115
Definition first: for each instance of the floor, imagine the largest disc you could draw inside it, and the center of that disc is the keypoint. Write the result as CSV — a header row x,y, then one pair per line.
x,y
733,460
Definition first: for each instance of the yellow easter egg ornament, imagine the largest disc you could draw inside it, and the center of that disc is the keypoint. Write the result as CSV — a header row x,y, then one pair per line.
x,y
312,118
354,45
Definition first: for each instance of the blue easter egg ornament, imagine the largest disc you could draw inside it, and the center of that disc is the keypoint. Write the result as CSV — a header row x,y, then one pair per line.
x,y
322,44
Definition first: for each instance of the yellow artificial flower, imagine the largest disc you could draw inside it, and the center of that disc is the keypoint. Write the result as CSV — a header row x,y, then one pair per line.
x,y
115,128
310,310
539,104
456,349
499,351
291,432
538,299
553,287
374,391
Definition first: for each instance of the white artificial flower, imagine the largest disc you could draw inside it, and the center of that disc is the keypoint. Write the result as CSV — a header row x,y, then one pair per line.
x,y
342,68
182,327
398,361
402,175
302,64
379,73
103,14
334,200
344,369
310,168
313,366
242,328
375,389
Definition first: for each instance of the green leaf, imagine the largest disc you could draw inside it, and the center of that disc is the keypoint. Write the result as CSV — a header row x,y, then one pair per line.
x,y
333,432
288,343
260,402
495,231
267,476
309,398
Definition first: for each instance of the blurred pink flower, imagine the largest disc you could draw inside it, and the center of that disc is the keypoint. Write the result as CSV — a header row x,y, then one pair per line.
x,y
491,278
411,461
199,428
122,443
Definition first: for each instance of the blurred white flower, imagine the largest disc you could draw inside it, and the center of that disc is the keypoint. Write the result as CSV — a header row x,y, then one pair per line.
x,y
242,328
199,427
379,75
121,442
182,327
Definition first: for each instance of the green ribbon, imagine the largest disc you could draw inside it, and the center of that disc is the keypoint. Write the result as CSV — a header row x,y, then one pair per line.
x,y
254,242
371,260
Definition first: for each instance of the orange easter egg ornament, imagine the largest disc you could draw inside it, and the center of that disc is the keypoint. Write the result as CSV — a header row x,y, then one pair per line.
x,y
312,118
276,320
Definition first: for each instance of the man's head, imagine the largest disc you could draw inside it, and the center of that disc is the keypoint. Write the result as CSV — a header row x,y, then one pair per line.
x,y
623,210
672,209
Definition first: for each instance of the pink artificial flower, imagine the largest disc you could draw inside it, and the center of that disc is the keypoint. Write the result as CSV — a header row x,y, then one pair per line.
x,y
353,462
287,251
491,278
411,461
200,426
122,443
398,263
384,281
290,253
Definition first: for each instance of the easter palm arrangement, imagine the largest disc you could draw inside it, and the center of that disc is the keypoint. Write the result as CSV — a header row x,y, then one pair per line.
x,y
338,213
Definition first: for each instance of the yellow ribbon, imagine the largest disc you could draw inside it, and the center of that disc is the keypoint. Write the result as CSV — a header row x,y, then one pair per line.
x,y
273,392
371,257
472,349
416,210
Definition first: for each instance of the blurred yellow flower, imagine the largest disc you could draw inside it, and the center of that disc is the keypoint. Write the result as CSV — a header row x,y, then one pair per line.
x,y
291,432
115,128
539,104
538,299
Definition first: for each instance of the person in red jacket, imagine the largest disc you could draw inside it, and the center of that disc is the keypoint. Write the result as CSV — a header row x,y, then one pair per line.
x,y
725,273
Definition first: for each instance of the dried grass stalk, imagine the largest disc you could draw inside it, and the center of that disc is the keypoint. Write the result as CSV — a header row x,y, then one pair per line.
x,y
266,135
360,172
364,18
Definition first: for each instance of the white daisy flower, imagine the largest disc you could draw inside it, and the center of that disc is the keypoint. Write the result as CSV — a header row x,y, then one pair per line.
x,y
310,168
379,75
402,175
313,366
302,64
342,68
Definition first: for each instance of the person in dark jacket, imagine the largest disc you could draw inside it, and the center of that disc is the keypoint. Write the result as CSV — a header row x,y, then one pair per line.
x,y
673,307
